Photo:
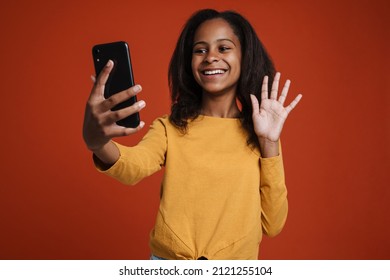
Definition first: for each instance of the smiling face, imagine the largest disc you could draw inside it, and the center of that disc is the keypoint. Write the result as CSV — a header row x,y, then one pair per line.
x,y
216,57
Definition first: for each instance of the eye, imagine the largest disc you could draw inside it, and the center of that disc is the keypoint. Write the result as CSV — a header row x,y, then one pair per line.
x,y
200,51
224,48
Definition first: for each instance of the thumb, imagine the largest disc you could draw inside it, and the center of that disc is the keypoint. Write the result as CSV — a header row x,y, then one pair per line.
x,y
255,105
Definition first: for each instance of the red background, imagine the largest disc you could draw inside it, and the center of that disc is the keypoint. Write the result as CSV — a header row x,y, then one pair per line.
x,y
54,205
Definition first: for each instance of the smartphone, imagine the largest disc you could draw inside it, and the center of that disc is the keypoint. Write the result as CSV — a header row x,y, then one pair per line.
x,y
120,78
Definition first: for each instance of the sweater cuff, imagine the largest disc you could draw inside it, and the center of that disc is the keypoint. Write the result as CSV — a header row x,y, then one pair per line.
x,y
271,170
270,160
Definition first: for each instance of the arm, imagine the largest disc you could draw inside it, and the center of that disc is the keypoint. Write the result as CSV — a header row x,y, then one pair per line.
x,y
273,194
268,121
140,161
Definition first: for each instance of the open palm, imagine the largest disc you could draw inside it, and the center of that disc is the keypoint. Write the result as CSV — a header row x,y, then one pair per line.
x,y
270,115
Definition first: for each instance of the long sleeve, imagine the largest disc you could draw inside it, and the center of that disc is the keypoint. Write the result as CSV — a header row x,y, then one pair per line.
x,y
142,160
273,193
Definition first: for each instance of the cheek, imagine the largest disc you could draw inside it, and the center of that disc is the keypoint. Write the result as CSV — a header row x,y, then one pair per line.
x,y
194,67
238,65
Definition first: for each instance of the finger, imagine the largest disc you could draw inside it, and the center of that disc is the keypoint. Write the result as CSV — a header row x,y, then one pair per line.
x,y
284,92
114,116
93,78
104,74
294,103
117,98
255,105
264,88
118,131
275,86
100,83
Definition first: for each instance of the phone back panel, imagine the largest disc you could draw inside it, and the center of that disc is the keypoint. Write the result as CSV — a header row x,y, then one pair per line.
x,y
121,76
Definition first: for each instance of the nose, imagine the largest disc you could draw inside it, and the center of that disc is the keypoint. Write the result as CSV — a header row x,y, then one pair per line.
x,y
212,56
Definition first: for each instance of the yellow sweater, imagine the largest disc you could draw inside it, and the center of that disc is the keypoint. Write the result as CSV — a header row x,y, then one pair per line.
x,y
218,195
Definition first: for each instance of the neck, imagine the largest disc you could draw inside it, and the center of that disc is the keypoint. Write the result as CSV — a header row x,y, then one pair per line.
x,y
223,106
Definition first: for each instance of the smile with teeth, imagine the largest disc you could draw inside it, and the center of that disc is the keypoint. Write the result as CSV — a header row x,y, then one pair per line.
x,y
214,72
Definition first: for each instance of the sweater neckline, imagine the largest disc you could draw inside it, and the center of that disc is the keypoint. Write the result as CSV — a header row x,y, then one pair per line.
x,y
217,118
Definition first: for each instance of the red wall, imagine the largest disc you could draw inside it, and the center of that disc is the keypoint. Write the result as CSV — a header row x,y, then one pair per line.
x,y
54,205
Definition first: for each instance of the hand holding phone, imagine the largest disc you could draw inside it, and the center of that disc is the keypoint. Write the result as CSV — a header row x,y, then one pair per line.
x,y
100,120
120,78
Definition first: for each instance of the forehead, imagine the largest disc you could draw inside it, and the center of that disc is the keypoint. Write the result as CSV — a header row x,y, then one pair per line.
x,y
215,29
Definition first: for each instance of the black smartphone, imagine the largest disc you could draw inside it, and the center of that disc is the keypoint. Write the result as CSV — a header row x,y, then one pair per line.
x,y
120,78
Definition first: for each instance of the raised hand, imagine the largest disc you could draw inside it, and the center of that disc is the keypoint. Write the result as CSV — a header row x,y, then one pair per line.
x,y
270,115
99,121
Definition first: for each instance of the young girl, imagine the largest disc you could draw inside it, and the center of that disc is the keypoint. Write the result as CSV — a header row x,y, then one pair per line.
x,y
224,184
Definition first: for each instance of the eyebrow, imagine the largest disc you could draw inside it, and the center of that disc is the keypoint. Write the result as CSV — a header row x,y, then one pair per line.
x,y
218,40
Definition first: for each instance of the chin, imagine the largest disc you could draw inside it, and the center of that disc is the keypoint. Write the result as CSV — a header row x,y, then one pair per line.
x,y
218,90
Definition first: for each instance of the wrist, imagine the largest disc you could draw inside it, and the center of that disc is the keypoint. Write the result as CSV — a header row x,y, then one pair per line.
x,y
96,149
268,148
98,146
107,154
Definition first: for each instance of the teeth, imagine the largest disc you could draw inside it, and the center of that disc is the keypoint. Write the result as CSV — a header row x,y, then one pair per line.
x,y
213,72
